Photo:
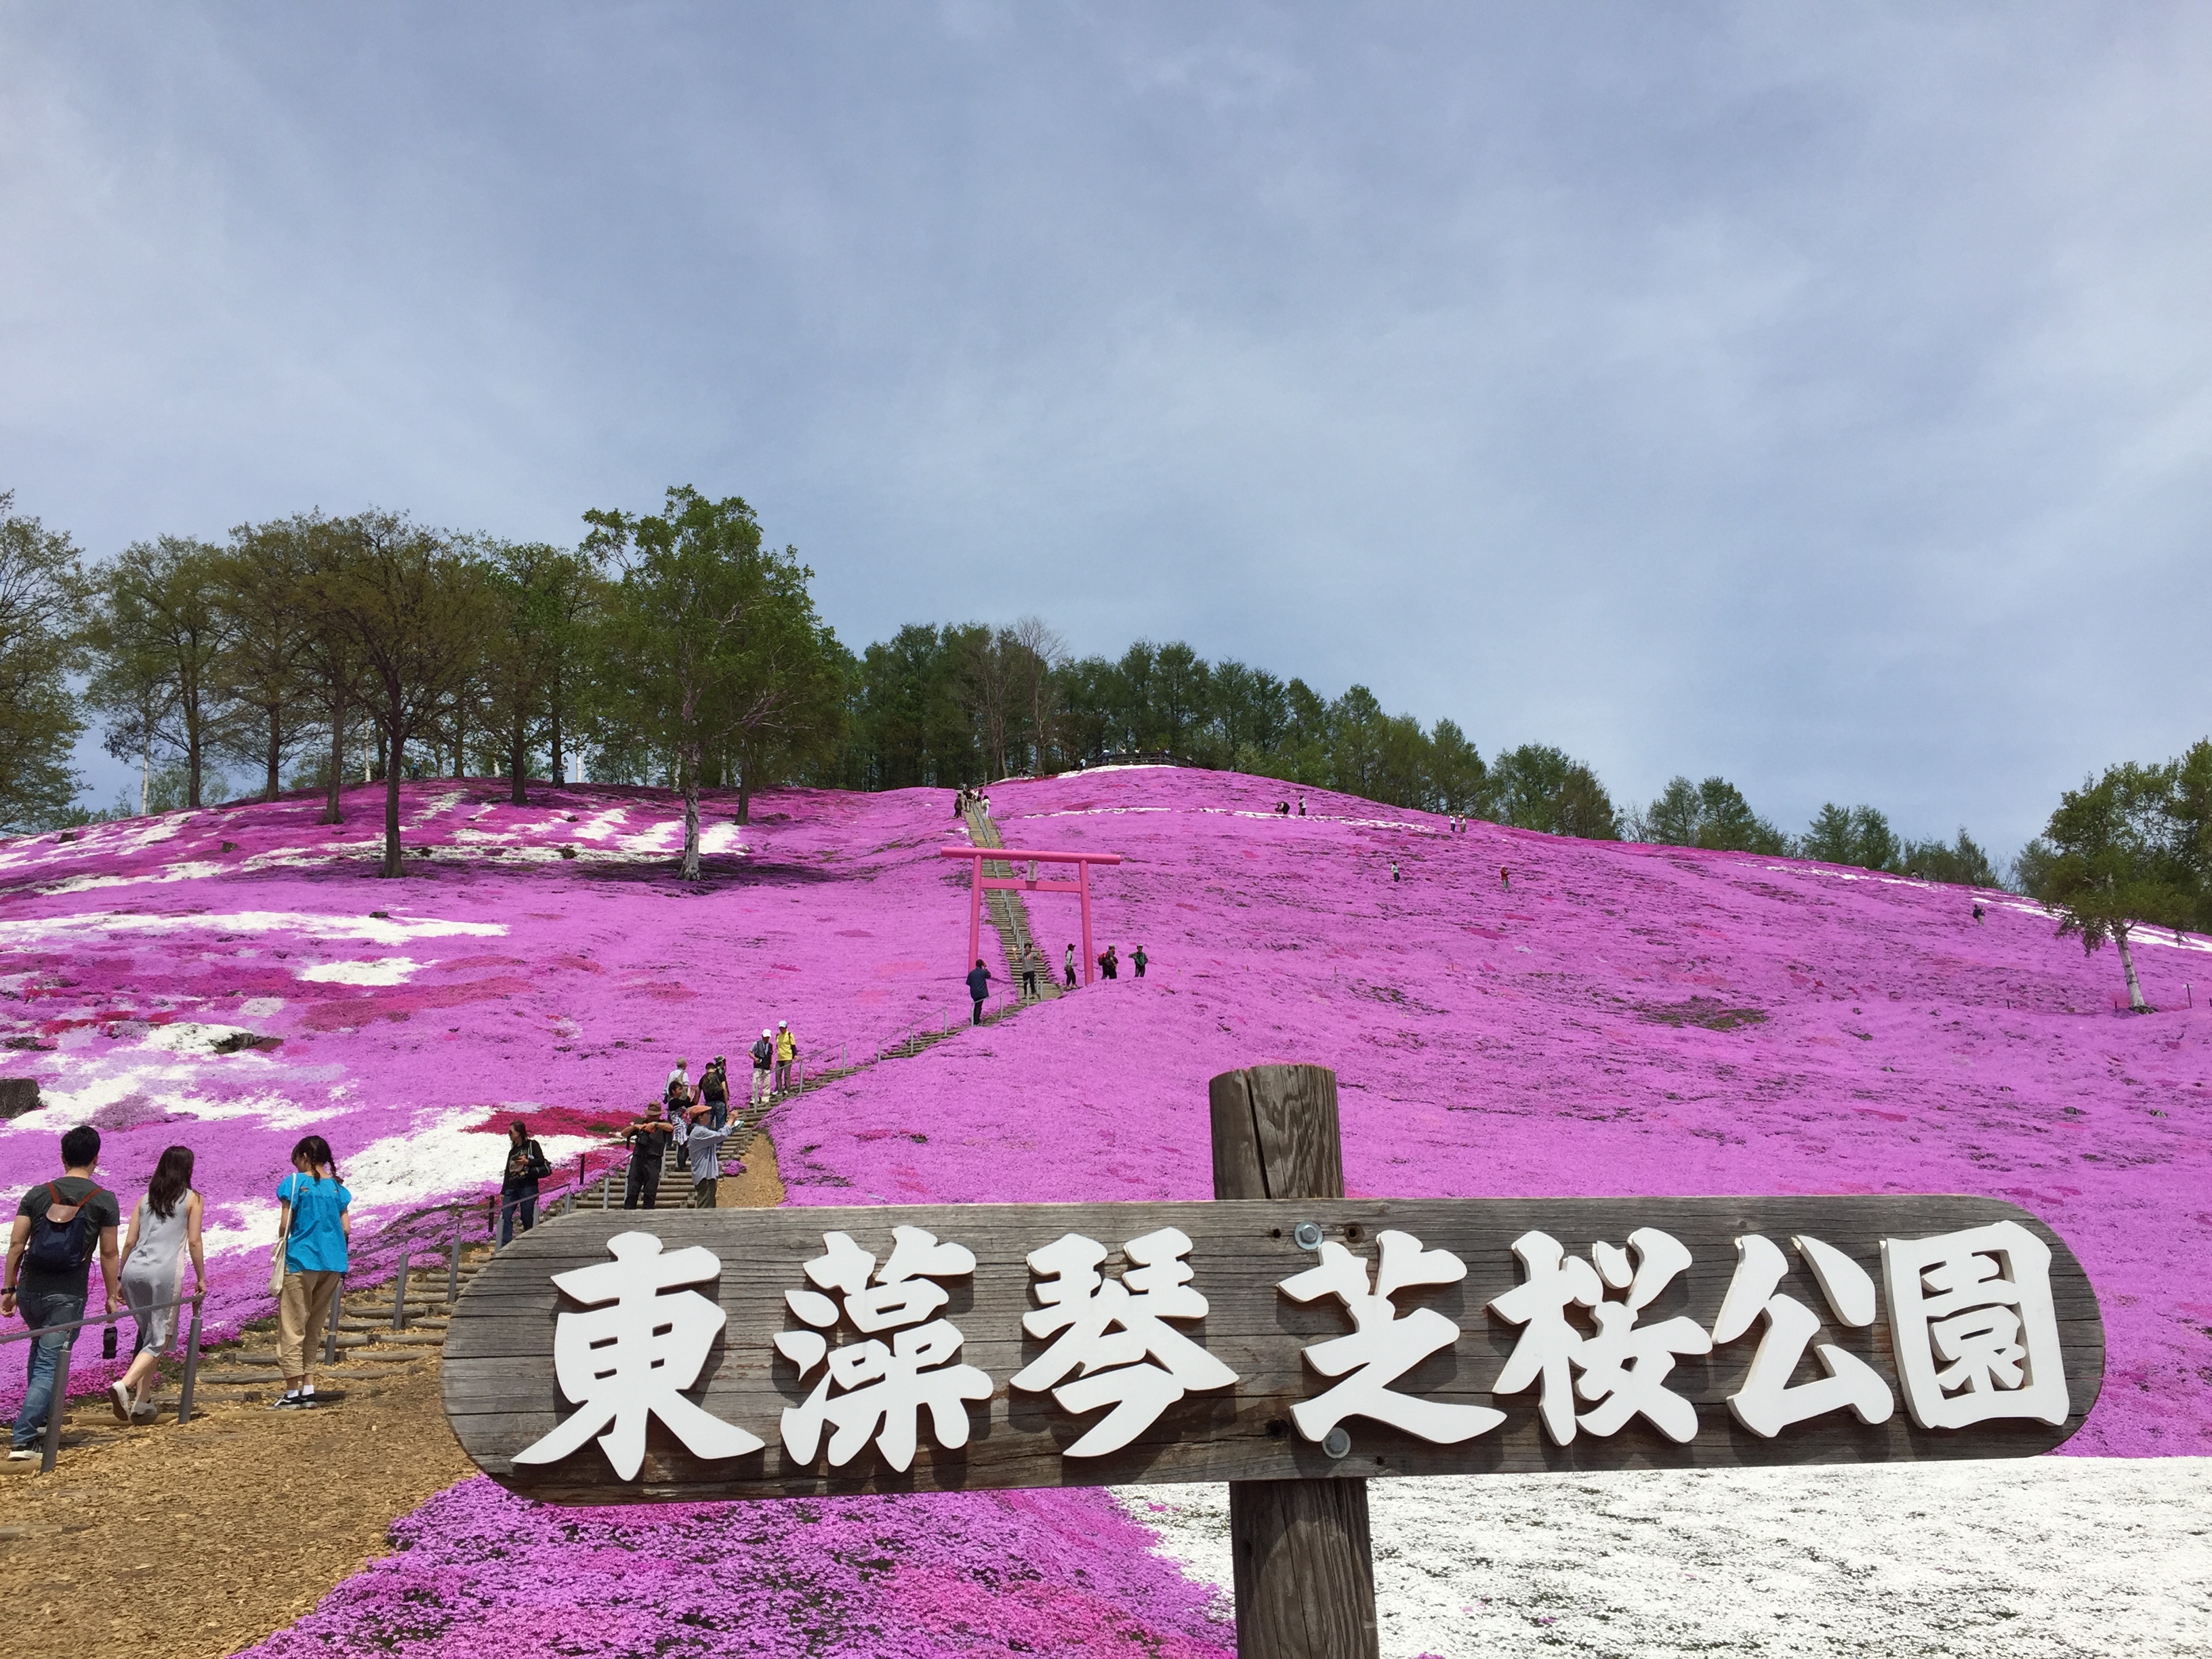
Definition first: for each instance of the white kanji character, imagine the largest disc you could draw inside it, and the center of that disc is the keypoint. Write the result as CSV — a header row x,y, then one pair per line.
x,y
880,1387
1624,1365
1766,1404
1383,1345
623,1364
1978,1303
1083,1308
1552,1281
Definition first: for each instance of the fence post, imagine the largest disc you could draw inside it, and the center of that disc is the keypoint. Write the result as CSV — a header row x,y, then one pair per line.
x,y
56,1407
399,1293
330,1325
192,1363
453,1263
1304,1572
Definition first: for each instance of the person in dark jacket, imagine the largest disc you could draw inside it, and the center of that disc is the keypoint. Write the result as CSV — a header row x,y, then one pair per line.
x,y
517,1187
714,1091
648,1145
979,987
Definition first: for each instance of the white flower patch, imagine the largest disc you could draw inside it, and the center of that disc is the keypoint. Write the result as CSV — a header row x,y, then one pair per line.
x,y
373,930
440,1155
384,970
188,871
186,1037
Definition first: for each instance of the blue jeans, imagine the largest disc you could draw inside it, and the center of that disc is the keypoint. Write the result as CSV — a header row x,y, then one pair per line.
x,y
513,1198
40,1308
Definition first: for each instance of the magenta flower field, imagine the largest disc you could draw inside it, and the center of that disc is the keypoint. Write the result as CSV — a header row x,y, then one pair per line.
x,y
1618,1020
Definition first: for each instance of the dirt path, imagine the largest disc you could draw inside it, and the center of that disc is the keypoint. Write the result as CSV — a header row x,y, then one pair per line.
x,y
196,1541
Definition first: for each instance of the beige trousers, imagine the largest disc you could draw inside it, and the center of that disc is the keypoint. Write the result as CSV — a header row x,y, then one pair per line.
x,y
301,1313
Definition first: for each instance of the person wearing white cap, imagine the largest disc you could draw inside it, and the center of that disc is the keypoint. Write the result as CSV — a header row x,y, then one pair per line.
x,y
763,1053
786,1055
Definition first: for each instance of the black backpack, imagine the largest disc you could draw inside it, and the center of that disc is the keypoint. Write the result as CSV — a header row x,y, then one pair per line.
x,y
62,1247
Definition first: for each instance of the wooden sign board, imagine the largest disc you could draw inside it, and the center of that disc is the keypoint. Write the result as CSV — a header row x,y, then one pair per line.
x,y
692,1355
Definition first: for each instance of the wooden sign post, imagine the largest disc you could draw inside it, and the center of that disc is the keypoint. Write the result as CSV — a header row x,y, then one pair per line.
x,y
1283,1338
1304,1569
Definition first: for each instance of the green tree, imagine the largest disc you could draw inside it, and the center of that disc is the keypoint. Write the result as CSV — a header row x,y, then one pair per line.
x,y
2112,860
1181,689
1963,863
1536,787
1357,732
42,610
713,640
156,634
416,610
1463,782
2192,812
1713,815
539,597
1858,836
265,670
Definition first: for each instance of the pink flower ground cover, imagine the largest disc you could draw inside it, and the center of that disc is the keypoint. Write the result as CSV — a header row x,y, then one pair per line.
x,y
409,1021
478,1572
1624,1020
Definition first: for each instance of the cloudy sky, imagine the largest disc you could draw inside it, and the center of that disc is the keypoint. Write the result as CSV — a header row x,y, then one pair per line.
x,y
1817,396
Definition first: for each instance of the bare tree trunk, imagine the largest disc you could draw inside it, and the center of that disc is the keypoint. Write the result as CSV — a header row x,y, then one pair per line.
x,y
392,864
192,766
518,766
276,752
690,812
334,812
560,771
146,781
2137,1004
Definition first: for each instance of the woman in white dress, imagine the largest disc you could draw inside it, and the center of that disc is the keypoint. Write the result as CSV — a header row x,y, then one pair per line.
x,y
164,1229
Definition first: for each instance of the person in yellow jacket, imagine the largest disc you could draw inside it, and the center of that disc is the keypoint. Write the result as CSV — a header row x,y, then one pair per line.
x,y
786,1055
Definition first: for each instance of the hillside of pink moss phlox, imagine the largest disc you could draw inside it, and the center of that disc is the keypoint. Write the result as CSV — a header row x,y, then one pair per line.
x,y
477,1572
1623,1020
411,1020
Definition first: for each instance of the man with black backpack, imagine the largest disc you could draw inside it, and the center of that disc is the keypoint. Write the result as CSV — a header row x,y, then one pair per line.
x,y
58,1226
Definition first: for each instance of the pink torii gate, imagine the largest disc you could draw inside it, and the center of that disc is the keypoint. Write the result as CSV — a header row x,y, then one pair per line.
x,y
1080,886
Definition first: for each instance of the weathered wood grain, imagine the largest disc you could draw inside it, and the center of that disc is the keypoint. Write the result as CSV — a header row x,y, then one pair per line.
x,y
1300,1562
502,1394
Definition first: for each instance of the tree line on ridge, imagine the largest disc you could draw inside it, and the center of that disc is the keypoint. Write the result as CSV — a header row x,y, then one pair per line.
x,y
678,648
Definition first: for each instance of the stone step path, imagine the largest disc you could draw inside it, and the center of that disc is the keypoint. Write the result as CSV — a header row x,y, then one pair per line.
x,y
1010,917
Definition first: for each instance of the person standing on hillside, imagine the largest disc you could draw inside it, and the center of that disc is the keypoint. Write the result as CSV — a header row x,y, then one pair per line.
x,y
1071,967
60,1225
763,1058
786,1057
1394,876
1302,806
164,1229
678,1097
979,987
714,1092
707,1163
1138,959
518,1187
648,1145
316,1225
1504,878
1028,973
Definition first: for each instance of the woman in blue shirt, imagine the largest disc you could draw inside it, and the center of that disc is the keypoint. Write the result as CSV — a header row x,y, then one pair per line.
x,y
316,1225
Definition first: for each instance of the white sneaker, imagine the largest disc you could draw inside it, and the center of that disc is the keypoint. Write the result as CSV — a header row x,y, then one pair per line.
x,y
18,1454
120,1397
